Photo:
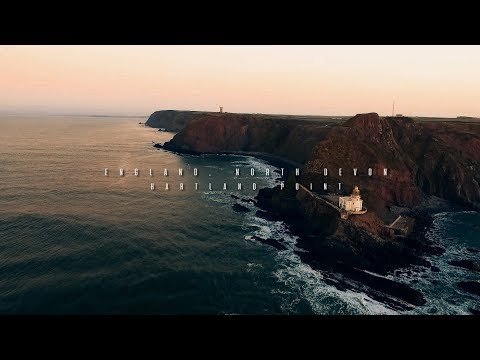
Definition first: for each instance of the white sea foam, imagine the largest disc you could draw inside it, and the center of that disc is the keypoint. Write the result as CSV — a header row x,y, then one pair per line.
x,y
302,282
440,288
297,280
323,298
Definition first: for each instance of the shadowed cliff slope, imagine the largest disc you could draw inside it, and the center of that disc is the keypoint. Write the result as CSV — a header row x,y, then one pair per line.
x,y
423,159
172,120
291,139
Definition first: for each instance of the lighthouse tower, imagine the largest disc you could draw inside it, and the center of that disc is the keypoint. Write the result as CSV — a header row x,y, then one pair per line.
x,y
355,200
356,193
352,203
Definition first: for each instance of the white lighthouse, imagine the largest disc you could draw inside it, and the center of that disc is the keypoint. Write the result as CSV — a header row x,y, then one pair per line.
x,y
352,204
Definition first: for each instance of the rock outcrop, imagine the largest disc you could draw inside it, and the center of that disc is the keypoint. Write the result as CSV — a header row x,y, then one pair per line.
x,y
331,240
472,287
240,208
272,242
473,265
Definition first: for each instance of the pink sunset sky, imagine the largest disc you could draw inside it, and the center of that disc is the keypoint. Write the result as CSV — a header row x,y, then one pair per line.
x,y
317,80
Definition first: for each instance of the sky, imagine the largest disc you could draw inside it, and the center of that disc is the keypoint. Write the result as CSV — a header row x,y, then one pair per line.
x,y
308,80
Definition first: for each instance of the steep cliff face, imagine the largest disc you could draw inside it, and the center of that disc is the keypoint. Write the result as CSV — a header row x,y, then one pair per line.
x,y
447,158
441,159
366,141
422,159
172,120
291,139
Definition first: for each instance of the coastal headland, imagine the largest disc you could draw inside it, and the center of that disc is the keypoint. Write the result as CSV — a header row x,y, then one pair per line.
x,y
432,166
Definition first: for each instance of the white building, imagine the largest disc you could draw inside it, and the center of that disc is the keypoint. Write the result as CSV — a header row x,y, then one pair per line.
x,y
352,203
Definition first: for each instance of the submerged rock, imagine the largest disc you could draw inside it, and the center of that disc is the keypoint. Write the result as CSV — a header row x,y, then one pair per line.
x,y
267,215
272,242
240,208
435,268
475,311
437,250
235,197
471,287
387,286
379,285
473,250
466,264
248,201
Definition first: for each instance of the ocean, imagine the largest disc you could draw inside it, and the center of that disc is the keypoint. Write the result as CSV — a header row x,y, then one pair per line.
x,y
74,241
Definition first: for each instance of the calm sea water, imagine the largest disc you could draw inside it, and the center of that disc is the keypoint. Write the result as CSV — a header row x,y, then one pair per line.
x,y
73,241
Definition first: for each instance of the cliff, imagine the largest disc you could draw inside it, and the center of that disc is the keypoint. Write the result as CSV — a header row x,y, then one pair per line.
x,y
210,133
177,120
172,120
423,159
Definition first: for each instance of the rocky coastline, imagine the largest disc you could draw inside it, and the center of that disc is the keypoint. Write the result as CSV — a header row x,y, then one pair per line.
x,y
275,161
357,248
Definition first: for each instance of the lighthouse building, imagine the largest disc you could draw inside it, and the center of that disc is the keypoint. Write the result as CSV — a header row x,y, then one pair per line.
x,y
352,203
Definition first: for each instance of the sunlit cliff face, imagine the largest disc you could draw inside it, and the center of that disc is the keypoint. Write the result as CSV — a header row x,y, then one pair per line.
x,y
330,80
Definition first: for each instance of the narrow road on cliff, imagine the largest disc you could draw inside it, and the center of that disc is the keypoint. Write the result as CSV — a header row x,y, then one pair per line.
x,y
320,198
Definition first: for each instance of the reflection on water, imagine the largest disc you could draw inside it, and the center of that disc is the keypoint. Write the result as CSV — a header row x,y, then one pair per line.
x,y
74,240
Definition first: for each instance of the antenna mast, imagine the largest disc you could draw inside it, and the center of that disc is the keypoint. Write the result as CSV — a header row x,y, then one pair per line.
x,y
393,108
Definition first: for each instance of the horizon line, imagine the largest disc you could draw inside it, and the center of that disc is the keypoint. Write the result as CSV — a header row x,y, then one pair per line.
x,y
113,114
